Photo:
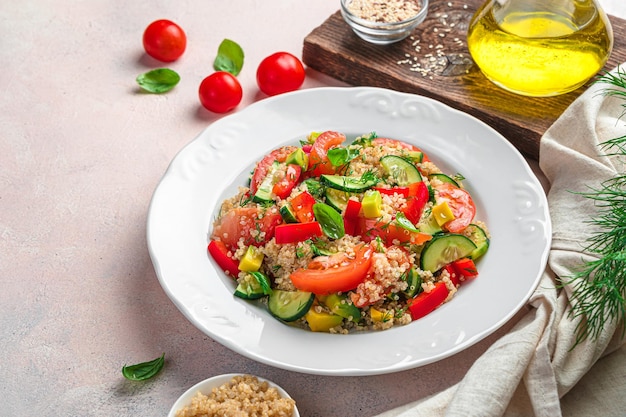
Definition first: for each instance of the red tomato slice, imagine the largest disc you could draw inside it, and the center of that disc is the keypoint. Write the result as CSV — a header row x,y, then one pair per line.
x,y
335,273
318,158
219,252
255,225
460,203
399,144
302,205
261,169
426,302
284,186
369,229
297,232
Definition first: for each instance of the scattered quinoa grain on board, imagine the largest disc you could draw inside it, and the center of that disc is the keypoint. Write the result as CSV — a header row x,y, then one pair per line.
x,y
242,396
389,11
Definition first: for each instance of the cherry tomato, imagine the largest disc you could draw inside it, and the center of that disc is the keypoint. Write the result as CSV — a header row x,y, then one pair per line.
x,y
164,40
334,273
318,158
279,73
263,166
220,92
460,203
248,223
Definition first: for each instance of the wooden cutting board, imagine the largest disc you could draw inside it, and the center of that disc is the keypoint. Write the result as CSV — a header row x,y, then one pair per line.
x,y
434,62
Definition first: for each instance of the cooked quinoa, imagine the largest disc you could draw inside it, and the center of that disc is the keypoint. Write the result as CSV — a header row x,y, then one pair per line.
x,y
242,396
391,241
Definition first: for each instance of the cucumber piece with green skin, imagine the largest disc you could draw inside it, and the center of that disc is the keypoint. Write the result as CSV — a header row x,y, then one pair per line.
x,y
443,249
479,237
429,225
337,199
286,212
444,178
415,156
252,286
400,169
289,305
264,191
414,282
349,184
341,306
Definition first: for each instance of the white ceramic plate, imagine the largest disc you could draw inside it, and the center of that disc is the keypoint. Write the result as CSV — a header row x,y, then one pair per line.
x,y
207,385
508,196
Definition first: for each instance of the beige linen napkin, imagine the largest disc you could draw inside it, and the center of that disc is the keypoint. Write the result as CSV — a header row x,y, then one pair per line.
x,y
529,369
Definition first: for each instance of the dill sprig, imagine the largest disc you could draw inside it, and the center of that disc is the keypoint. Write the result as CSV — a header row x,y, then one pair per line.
x,y
599,287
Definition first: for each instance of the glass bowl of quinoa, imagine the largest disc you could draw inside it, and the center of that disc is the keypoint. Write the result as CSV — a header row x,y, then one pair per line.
x,y
383,22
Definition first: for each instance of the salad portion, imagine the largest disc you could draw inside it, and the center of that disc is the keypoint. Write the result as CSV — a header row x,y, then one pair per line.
x,y
339,237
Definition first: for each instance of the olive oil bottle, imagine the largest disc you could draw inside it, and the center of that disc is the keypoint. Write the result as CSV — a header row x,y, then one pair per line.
x,y
540,47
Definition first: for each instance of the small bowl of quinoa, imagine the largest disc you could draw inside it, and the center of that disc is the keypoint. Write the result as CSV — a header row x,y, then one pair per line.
x,y
383,22
235,395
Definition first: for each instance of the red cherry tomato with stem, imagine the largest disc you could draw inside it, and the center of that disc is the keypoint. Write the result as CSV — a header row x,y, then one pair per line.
x,y
164,40
220,92
279,73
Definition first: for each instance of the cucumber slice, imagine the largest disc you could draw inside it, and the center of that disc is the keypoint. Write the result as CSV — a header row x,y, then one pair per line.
x,y
444,178
349,184
342,306
264,191
286,212
443,249
337,199
429,225
290,305
414,282
252,286
480,239
400,169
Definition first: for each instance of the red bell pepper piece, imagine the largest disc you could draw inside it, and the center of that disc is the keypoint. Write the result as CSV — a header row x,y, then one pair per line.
x,y
297,232
418,197
353,208
426,302
283,187
302,205
218,250
454,277
465,267
403,191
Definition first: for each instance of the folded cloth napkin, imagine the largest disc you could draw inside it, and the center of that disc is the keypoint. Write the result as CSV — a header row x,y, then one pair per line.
x,y
528,370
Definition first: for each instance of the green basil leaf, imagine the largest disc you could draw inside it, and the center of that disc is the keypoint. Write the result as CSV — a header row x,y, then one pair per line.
x,y
144,370
341,156
330,220
229,57
158,81
405,223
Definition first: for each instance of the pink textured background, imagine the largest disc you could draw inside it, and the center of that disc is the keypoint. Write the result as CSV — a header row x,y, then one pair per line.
x,y
81,151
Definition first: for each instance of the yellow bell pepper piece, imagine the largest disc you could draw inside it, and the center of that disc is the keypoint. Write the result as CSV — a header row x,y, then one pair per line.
x,y
372,204
252,259
322,322
379,316
442,213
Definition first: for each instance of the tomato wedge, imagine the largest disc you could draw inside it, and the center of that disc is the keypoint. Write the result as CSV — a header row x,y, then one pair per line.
x,y
219,252
461,204
284,186
297,232
263,167
426,302
334,273
318,158
390,233
254,225
399,144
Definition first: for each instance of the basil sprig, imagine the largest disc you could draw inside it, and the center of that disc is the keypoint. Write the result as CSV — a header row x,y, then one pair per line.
x,y
341,156
144,370
330,220
229,57
158,81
